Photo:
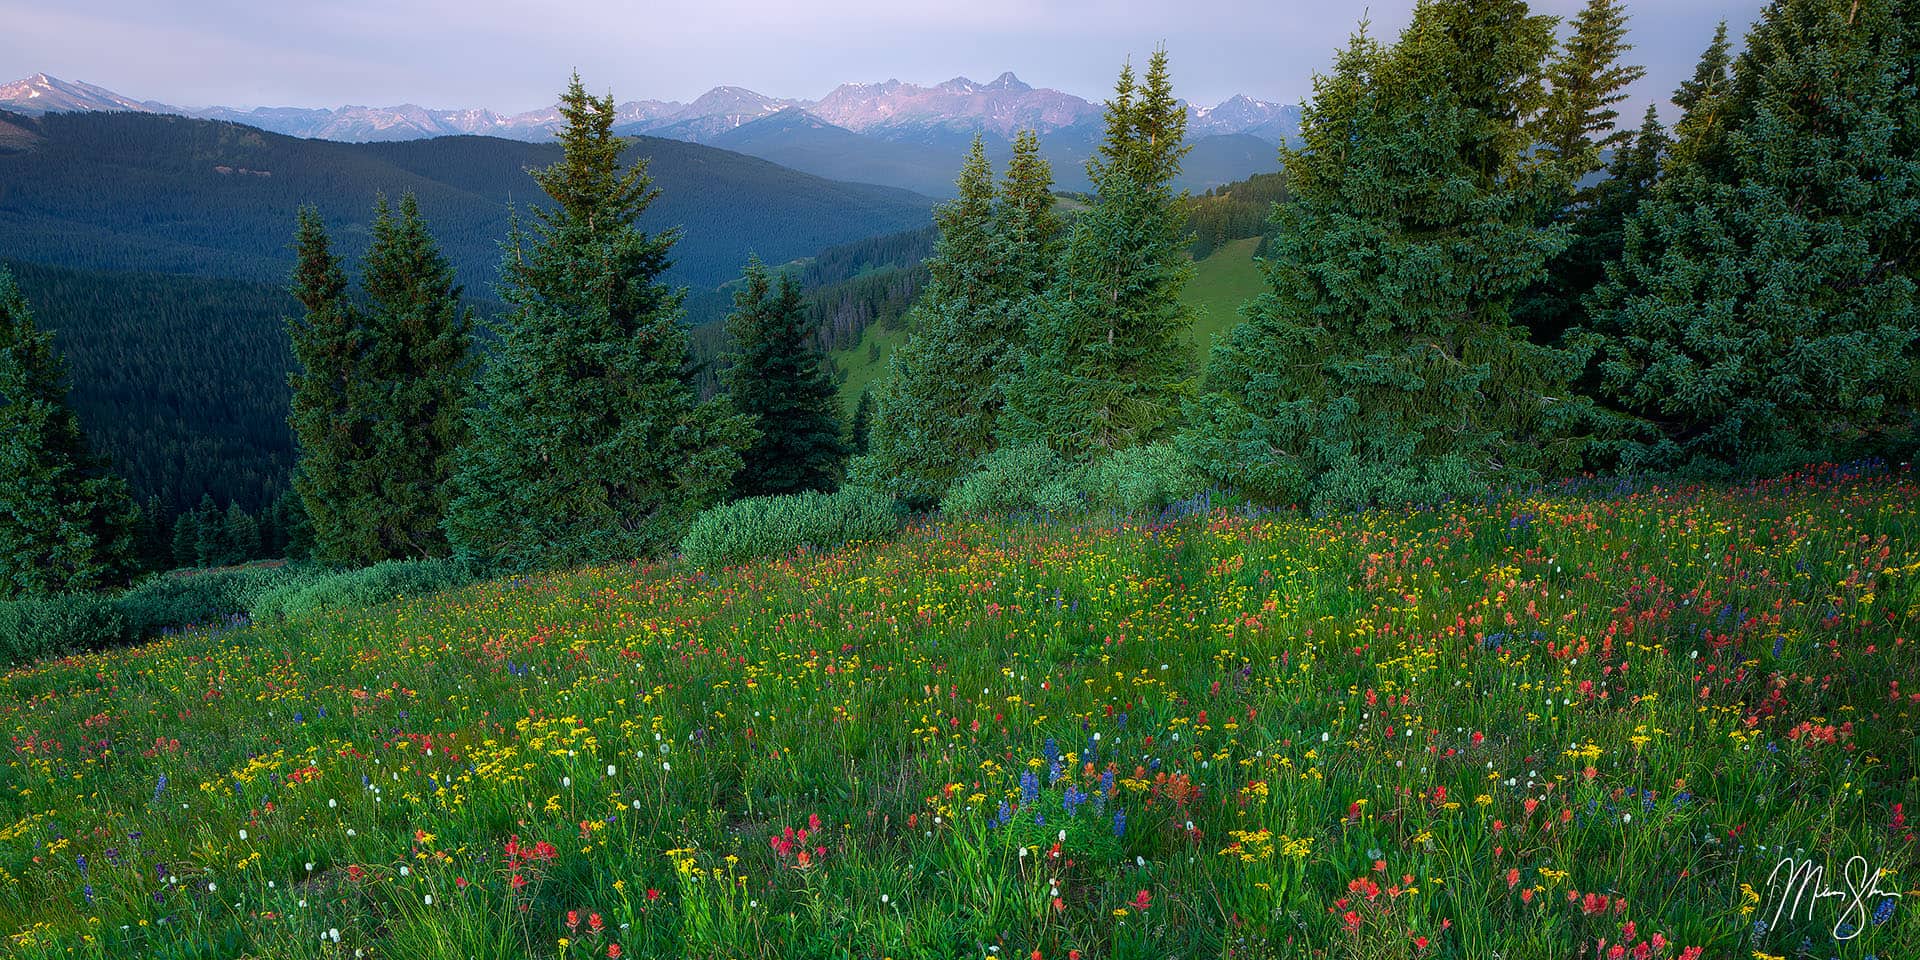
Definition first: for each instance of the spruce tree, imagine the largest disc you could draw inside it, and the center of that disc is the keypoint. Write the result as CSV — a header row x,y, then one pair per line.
x,y
935,412
587,443
1382,365
1710,77
334,399
862,423
186,539
420,372
1586,79
1106,361
1576,130
779,381
1763,313
294,535
152,538
1597,229
239,536
1026,243
66,521
210,529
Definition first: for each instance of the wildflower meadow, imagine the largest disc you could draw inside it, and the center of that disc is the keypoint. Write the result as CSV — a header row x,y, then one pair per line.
x,y
1591,721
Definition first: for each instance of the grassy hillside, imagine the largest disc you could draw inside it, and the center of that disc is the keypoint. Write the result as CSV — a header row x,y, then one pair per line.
x,y
1222,283
865,363
1497,729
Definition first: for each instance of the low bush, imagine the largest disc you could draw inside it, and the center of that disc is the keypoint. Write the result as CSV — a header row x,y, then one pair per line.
x,y
1033,479
1141,480
773,526
49,626
175,601
368,586
1029,478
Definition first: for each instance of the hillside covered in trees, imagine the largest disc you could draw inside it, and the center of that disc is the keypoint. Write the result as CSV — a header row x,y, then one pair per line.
x,y
1474,276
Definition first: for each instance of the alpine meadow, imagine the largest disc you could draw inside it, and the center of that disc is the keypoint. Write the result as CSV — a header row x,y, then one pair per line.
x,y
1468,512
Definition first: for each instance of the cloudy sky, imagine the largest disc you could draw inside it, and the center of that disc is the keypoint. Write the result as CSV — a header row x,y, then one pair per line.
x,y
512,56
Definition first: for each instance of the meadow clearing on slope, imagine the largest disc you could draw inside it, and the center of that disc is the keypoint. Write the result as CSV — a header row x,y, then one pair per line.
x,y
1584,722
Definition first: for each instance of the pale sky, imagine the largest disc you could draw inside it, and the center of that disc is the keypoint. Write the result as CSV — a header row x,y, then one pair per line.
x,y
513,56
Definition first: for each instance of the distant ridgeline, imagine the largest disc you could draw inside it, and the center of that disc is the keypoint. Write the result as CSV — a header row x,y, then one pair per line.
x,y
158,247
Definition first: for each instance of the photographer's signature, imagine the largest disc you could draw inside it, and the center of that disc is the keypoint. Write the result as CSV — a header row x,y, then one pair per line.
x,y
1796,887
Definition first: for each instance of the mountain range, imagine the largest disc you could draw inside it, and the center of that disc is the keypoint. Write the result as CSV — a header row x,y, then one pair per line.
x,y
893,133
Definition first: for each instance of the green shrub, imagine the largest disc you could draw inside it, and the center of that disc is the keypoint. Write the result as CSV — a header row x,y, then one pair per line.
x,y
774,526
48,626
318,592
1033,479
1141,480
1026,478
175,601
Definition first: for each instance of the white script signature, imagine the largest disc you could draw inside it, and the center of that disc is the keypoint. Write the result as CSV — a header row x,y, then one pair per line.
x,y
1802,884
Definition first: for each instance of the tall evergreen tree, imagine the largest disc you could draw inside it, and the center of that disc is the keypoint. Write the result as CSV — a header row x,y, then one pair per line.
x,y
293,534
862,425
1382,365
1026,240
239,536
935,412
1586,79
587,442
421,370
66,521
1575,130
334,404
1763,310
1707,107
1598,230
1710,77
186,539
779,380
152,538
210,529
1106,360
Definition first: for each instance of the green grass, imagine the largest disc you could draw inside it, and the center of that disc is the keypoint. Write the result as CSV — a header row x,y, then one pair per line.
x,y
865,362
1222,282
1512,728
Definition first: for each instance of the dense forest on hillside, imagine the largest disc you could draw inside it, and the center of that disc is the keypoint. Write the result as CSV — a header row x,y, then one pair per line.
x,y
1234,212
180,381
